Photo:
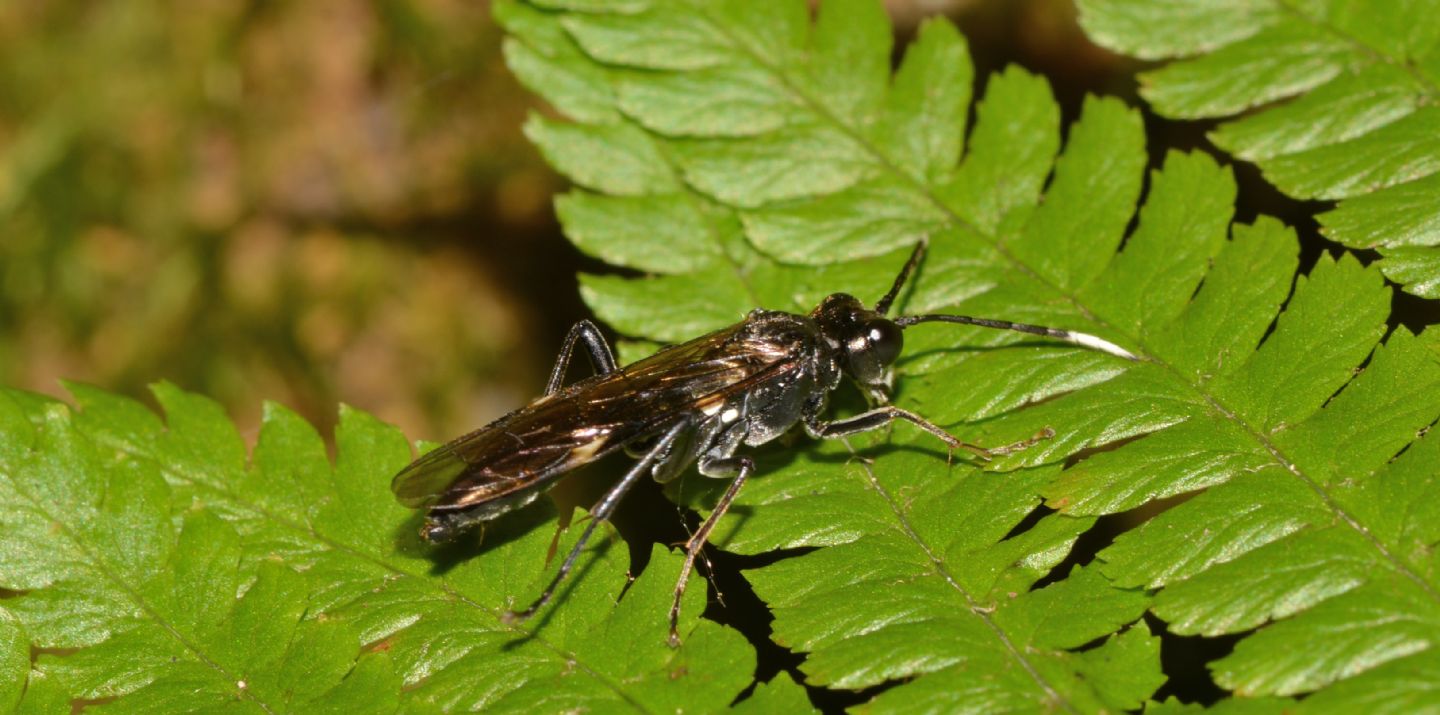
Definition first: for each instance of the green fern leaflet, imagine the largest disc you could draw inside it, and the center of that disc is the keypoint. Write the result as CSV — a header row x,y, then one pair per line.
x,y
1362,120
768,142
157,565
1271,445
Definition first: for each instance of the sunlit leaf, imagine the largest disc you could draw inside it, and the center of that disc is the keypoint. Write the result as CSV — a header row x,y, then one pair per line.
x,y
172,572
1346,96
927,574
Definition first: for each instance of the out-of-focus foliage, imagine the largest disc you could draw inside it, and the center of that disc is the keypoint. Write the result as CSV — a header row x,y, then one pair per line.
x,y
264,199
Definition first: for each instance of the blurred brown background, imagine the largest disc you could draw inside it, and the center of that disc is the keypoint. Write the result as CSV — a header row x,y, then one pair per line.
x,y
315,201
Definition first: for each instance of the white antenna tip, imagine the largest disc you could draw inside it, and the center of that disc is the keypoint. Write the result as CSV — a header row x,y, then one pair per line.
x,y
1101,344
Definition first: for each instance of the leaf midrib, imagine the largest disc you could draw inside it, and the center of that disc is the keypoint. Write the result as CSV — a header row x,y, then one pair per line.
x,y
566,657
937,564
696,202
819,108
1284,462
1216,404
1433,91
99,564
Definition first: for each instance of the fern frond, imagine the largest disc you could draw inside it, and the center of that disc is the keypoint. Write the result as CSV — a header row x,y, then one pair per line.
x,y
153,600
183,577
744,155
1360,123
929,573
808,154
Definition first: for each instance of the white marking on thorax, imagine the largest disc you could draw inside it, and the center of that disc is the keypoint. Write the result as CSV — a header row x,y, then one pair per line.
x,y
729,415
586,452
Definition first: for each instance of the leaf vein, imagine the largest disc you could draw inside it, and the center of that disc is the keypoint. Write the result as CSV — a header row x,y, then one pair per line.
x,y
1374,52
565,656
940,569
98,563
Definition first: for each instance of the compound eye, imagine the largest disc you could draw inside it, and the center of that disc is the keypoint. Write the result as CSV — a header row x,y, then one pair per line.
x,y
885,340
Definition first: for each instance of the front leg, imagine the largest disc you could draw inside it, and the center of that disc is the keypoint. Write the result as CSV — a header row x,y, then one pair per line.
x,y
741,467
601,356
881,416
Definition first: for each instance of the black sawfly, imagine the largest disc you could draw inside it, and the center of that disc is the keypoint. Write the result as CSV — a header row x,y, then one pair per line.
x,y
696,402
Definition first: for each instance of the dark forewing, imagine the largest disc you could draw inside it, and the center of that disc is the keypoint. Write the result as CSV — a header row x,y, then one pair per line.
x,y
521,452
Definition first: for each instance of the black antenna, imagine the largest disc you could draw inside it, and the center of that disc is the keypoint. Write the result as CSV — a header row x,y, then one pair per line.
x,y
1083,339
883,305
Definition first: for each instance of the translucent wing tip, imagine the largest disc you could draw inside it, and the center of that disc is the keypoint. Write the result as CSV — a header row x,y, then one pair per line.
x,y
421,483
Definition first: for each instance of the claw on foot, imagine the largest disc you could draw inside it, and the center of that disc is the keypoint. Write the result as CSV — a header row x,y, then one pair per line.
x,y
1020,446
511,618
